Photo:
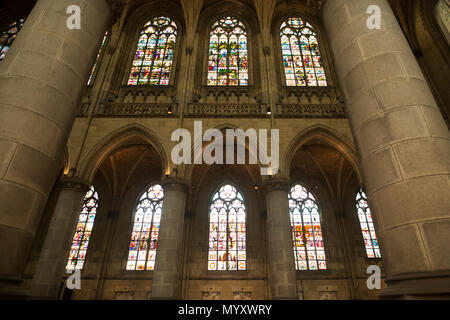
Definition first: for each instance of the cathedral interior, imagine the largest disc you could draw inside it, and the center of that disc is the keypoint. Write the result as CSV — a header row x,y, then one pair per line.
x,y
90,193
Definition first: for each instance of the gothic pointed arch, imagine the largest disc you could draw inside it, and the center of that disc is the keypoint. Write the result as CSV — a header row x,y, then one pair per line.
x,y
227,230
328,135
83,231
307,234
228,53
145,231
302,59
155,52
367,226
116,139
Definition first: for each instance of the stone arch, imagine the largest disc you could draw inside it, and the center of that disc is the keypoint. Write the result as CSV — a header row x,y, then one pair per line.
x,y
114,140
328,135
221,127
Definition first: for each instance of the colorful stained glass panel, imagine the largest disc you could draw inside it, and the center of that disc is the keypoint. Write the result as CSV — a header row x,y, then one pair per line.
x,y
309,251
144,236
94,68
153,61
301,56
8,37
80,240
228,56
227,236
367,226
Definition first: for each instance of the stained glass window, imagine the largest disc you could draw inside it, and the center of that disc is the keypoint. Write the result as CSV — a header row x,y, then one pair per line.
x,y
8,37
94,68
228,55
83,231
153,60
227,230
367,227
309,251
301,56
144,236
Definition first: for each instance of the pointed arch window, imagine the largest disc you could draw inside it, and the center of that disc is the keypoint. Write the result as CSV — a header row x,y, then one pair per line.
x,y
228,53
303,65
367,226
227,230
8,37
309,248
145,233
80,241
94,68
153,61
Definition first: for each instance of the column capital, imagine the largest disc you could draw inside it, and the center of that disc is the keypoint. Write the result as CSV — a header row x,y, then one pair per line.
x,y
276,184
74,183
175,184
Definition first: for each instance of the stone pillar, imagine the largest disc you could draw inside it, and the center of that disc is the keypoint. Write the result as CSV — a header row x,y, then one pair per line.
x,y
403,143
279,236
41,81
166,282
53,258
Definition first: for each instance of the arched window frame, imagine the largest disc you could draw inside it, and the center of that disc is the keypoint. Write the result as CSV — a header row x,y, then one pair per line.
x,y
209,258
324,52
247,33
8,36
152,228
322,226
364,215
134,45
89,208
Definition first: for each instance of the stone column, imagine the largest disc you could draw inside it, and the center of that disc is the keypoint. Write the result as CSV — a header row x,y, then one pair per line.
x,y
41,81
279,236
403,143
166,282
53,258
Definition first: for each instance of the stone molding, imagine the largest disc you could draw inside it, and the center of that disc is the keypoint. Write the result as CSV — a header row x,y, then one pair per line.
x,y
276,184
75,184
136,109
175,184
326,111
256,110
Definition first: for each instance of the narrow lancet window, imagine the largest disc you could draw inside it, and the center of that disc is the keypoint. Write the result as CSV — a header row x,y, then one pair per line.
x,y
309,251
144,236
303,65
227,230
